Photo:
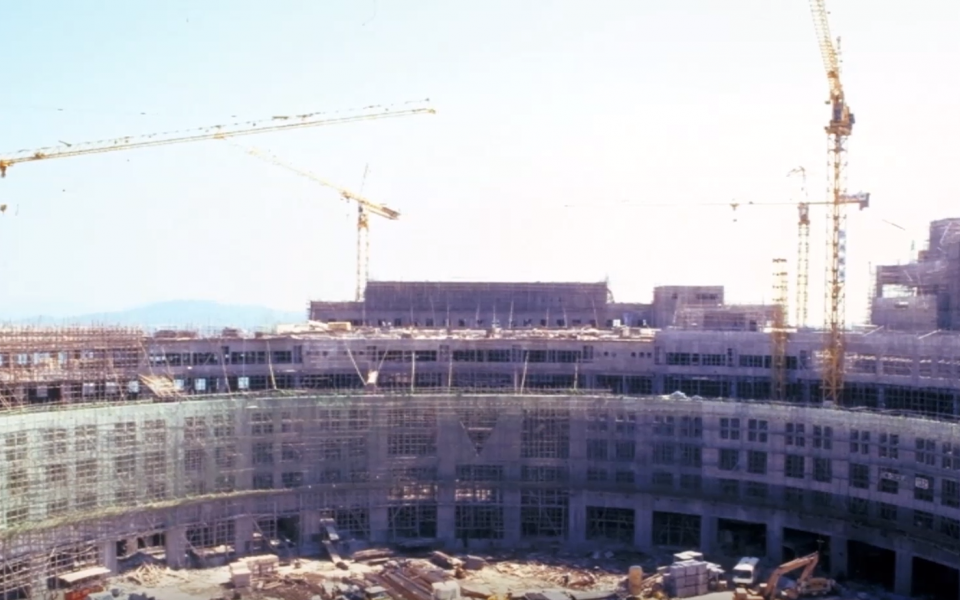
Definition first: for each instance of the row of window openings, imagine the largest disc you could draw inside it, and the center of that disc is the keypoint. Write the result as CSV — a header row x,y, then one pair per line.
x,y
948,527
796,496
926,367
729,360
399,322
24,359
254,357
596,449
501,355
729,460
821,437
92,388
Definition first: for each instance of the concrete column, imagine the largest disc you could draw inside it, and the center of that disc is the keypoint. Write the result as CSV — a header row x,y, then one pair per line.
x,y
903,579
838,556
708,533
577,519
881,396
309,526
243,529
511,518
108,555
175,546
447,516
775,539
39,589
657,383
380,524
643,528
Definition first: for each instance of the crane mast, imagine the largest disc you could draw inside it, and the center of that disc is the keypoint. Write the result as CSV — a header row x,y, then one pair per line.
x,y
803,249
365,208
838,130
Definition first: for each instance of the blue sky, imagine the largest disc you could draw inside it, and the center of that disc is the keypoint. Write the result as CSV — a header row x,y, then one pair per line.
x,y
540,105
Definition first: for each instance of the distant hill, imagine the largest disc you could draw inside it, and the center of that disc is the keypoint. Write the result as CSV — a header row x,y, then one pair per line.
x,y
180,313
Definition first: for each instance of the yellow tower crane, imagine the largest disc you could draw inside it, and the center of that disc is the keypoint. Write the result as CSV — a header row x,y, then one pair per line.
x,y
279,123
838,130
803,248
365,208
861,199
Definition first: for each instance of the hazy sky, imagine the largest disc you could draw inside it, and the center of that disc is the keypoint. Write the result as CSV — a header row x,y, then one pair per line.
x,y
540,104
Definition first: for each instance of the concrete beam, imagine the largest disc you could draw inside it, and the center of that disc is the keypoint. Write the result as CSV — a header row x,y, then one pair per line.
x,y
903,578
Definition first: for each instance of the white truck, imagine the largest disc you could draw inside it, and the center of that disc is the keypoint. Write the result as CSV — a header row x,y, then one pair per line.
x,y
745,573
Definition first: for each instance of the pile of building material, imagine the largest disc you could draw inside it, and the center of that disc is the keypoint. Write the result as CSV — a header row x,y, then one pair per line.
x,y
240,575
252,570
147,575
445,561
116,595
690,575
445,590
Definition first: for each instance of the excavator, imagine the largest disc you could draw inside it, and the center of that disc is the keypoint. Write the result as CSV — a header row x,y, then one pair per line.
x,y
806,584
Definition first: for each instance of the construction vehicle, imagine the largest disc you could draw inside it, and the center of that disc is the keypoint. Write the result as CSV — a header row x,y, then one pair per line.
x,y
745,573
806,584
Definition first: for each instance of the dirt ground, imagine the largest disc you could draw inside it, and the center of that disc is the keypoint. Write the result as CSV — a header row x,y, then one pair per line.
x,y
501,574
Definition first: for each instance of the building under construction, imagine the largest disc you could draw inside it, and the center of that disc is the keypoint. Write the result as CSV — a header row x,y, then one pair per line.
x,y
462,305
922,295
200,448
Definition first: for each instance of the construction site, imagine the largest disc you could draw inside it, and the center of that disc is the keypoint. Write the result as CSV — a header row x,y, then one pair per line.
x,y
125,448
436,440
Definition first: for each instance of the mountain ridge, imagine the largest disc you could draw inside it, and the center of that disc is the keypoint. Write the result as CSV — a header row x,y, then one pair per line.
x,y
178,314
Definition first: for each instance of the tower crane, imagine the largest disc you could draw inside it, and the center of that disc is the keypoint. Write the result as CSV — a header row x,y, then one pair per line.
x,y
273,124
803,248
364,209
839,128
861,199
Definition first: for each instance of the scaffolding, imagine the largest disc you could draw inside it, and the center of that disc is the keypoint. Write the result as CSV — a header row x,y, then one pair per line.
x,y
779,331
45,365
149,465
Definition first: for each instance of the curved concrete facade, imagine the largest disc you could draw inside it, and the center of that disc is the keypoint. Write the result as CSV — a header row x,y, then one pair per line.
x,y
85,485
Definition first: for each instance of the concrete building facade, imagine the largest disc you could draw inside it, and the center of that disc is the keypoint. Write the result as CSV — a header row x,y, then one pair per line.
x,y
468,305
204,478
883,370
924,294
